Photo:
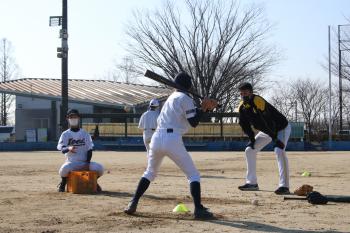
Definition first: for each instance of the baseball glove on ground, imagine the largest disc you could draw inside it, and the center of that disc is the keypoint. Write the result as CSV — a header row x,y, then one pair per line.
x,y
303,190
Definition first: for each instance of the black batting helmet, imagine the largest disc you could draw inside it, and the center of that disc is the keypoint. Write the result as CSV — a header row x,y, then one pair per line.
x,y
183,80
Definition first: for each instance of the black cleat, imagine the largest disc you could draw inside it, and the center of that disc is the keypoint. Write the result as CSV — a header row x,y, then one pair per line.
x,y
61,187
282,191
131,208
98,188
249,187
202,213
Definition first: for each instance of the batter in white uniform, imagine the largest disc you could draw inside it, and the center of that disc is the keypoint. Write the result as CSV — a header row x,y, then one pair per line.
x,y
148,122
77,146
177,115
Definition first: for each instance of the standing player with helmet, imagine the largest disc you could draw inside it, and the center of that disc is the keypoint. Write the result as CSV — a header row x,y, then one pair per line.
x,y
177,115
77,146
272,125
148,122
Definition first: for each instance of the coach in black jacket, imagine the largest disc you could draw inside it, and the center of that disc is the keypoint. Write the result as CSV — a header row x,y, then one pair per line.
x,y
271,126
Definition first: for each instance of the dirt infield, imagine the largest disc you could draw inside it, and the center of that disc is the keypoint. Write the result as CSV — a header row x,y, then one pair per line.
x,y
29,201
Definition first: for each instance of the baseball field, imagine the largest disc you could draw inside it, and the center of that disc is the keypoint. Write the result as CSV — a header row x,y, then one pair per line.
x,y
29,201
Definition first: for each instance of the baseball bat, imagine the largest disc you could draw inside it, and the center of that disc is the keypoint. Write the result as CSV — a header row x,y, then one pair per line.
x,y
163,80
331,198
294,198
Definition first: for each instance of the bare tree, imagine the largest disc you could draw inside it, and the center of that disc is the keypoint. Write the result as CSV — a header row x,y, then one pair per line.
x,y
127,70
7,72
312,99
285,101
218,43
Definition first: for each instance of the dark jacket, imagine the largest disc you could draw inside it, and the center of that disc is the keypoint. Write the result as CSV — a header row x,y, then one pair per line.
x,y
262,116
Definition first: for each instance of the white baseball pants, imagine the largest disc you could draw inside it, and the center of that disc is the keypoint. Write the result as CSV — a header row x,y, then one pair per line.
x,y
76,166
171,145
261,140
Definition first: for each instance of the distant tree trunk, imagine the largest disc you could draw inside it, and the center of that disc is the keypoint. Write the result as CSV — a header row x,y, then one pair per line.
x,y
312,98
7,71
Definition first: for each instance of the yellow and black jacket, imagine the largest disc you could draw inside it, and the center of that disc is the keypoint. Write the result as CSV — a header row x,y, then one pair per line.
x,y
257,112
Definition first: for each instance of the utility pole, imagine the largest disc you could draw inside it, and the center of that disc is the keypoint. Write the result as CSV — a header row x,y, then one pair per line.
x,y
64,66
62,52
340,83
330,90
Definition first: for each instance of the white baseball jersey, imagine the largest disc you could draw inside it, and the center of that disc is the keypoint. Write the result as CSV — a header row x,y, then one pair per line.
x,y
148,122
175,112
167,140
81,140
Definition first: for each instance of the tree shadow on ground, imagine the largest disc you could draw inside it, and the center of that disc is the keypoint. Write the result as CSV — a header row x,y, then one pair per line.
x,y
238,224
261,227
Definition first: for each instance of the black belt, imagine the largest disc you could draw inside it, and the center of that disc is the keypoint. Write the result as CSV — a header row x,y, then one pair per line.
x,y
169,130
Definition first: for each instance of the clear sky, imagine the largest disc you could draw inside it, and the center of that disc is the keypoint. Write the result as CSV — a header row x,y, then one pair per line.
x,y
96,34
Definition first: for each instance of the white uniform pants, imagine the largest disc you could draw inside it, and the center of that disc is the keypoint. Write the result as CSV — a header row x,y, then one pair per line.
x,y
171,145
147,136
261,140
76,166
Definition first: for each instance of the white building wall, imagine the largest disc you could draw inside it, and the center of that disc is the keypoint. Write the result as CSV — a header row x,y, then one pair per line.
x,y
28,109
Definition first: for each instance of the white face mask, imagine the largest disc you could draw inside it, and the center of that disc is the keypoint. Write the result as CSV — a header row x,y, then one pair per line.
x,y
73,122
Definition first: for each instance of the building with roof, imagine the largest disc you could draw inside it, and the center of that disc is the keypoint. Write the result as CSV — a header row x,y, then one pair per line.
x,y
38,101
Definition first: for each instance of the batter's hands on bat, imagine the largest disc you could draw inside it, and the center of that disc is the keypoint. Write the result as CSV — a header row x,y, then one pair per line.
x,y
72,149
208,104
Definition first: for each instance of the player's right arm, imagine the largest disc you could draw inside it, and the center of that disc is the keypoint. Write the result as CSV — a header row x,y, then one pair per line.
x,y
63,143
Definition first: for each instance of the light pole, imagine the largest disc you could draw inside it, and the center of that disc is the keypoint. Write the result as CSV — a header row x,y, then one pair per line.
x,y
62,52
340,42
330,90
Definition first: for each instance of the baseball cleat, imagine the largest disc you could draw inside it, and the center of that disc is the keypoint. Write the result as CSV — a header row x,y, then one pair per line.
x,y
282,191
131,208
98,188
249,187
61,187
202,213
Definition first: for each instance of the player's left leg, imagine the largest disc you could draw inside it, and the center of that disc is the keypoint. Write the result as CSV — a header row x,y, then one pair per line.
x,y
93,166
282,160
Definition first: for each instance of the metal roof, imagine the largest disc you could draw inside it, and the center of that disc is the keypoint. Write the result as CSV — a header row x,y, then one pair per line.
x,y
97,92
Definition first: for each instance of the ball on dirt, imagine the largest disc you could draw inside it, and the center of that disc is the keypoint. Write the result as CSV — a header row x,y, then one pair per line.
x,y
255,202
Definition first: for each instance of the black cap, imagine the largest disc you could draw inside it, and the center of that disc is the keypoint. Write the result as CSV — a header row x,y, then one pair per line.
x,y
72,112
183,80
245,86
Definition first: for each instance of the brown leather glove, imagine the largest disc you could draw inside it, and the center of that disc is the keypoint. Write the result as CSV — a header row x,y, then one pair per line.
x,y
303,190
